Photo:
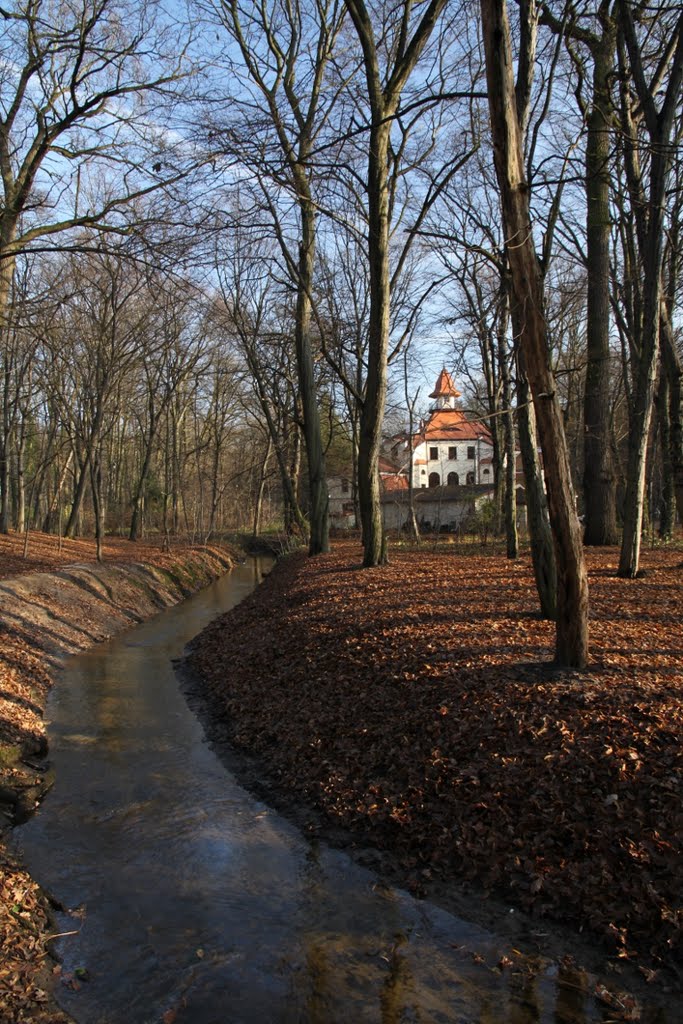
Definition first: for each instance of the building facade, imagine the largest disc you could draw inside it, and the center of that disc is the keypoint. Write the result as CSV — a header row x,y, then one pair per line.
x,y
449,450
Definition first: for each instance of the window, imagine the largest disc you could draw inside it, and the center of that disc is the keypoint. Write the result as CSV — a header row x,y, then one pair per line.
x,y
471,453
433,454
453,479
486,472
345,485
434,480
453,454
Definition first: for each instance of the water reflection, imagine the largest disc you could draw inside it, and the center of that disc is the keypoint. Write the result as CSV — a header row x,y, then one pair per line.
x,y
202,904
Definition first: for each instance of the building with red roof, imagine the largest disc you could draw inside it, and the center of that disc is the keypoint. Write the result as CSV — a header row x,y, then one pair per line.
x,y
449,449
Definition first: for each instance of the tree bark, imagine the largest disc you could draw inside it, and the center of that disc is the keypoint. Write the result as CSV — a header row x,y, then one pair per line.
x,y
510,490
540,534
571,637
7,264
384,94
651,241
674,373
319,519
599,481
374,399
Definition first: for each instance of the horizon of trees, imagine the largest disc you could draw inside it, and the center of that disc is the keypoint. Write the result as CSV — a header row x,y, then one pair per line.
x,y
226,237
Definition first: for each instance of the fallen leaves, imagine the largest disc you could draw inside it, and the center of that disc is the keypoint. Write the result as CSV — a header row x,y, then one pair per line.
x,y
414,705
24,969
38,619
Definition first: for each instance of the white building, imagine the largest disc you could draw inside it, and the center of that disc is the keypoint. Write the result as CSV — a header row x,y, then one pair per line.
x,y
449,450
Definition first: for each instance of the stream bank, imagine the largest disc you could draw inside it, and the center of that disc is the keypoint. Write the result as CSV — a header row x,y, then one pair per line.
x,y
410,714
45,617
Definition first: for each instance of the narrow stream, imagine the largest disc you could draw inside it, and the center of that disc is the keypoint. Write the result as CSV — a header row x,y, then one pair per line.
x,y
199,905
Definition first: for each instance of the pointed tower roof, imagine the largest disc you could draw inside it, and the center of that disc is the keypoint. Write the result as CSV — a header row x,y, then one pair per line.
x,y
444,387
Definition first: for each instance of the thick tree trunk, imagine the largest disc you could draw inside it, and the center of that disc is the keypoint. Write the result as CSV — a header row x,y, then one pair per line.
x,y
540,534
599,481
374,399
674,373
73,523
319,536
571,638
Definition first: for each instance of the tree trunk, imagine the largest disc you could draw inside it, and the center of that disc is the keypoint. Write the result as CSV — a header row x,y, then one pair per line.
x,y
5,443
651,242
56,503
599,481
667,508
138,497
413,528
510,490
21,480
571,637
258,507
674,373
374,399
319,536
97,503
72,526
540,534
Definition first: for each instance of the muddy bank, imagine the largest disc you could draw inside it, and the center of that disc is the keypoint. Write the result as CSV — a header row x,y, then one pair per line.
x,y
44,618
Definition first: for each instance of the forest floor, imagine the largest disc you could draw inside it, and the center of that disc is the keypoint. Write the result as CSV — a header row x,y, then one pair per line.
x,y
53,602
411,714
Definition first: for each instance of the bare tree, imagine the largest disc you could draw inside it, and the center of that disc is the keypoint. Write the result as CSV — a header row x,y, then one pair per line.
x,y
650,209
389,60
596,33
285,50
73,85
571,645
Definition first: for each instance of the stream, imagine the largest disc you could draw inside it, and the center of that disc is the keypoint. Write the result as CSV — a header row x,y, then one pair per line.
x,y
194,903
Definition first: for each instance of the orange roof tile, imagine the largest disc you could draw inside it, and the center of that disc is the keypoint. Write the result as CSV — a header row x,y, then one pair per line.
x,y
444,386
451,424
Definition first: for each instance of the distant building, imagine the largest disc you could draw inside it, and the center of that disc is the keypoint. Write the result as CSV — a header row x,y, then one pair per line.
x,y
448,449
342,515
453,476
437,509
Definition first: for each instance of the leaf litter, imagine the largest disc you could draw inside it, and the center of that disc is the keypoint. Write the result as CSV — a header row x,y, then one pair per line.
x,y
415,707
